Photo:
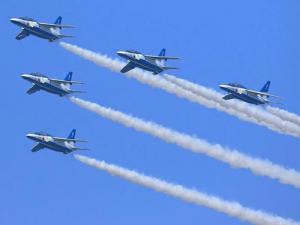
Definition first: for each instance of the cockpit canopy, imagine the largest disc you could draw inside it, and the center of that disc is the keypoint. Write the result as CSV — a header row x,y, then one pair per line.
x,y
27,18
38,74
42,133
236,85
133,51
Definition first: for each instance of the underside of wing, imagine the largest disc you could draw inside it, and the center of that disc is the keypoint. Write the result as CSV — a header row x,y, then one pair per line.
x,y
33,89
128,67
22,34
37,147
228,97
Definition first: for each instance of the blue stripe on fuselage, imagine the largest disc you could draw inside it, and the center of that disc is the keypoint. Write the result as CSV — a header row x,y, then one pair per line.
x,y
247,98
52,88
40,32
56,147
146,65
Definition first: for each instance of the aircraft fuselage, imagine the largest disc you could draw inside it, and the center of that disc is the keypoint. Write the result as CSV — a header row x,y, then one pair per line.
x,y
140,61
244,96
34,28
48,142
47,85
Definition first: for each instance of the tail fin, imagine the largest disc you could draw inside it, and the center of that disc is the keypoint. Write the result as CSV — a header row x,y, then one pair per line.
x,y
69,76
162,52
266,87
72,134
58,20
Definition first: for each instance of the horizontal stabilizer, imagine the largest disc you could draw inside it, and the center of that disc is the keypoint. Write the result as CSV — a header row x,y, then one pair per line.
x,y
170,68
77,91
37,147
66,81
228,97
56,25
81,149
68,139
262,93
66,36
160,57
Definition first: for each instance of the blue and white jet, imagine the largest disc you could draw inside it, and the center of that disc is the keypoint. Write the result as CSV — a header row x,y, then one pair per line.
x,y
154,64
48,31
237,91
54,86
63,145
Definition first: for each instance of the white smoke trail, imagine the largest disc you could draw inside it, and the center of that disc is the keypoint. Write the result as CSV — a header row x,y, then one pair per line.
x,y
252,111
229,156
285,115
230,208
253,115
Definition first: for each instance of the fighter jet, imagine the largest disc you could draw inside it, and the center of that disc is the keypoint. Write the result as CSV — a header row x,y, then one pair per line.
x,y
238,91
54,86
64,145
48,31
154,64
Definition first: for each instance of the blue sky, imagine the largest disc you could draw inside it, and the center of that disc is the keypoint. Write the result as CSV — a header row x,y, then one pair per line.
x,y
220,41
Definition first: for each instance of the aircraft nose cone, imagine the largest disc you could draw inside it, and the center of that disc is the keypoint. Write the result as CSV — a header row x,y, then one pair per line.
x,y
224,86
30,136
26,76
121,53
15,20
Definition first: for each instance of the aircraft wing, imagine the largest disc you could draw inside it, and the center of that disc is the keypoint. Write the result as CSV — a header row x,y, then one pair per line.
x,y
228,97
160,57
262,93
33,89
128,67
66,81
22,34
68,139
37,147
56,25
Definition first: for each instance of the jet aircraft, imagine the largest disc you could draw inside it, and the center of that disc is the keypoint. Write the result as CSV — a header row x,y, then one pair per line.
x,y
48,31
54,86
63,145
154,64
237,91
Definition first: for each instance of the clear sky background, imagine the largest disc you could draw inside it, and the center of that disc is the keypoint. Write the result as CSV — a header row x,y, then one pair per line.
x,y
219,41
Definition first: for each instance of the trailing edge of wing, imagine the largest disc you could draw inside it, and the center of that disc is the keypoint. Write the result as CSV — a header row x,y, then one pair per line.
x,y
37,147
128,67
33,89
68,139
160,57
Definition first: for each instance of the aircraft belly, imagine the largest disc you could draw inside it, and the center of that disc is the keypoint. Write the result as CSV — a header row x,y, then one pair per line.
x,y
248,99
56,147
41,33
144,64
52,89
